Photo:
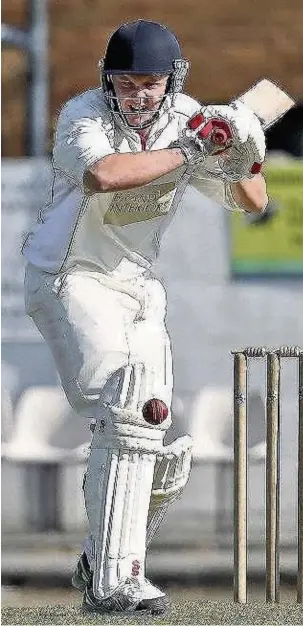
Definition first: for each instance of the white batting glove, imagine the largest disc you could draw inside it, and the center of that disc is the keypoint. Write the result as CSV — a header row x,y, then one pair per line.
x,y
247,147
201,138
218,128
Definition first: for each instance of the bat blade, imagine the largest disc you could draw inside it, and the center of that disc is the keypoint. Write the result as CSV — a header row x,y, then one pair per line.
x,y
268,101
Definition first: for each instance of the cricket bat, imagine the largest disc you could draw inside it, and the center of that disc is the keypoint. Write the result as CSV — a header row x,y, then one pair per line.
x,y
268,101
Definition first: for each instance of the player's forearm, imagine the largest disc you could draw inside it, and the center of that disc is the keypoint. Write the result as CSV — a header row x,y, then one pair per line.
x,y
251,194
118,172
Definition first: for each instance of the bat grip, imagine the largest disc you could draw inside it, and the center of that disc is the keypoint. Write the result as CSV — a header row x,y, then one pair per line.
x,y
219,136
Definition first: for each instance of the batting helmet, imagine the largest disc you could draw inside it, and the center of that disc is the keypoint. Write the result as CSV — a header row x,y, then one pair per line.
x,y
143,47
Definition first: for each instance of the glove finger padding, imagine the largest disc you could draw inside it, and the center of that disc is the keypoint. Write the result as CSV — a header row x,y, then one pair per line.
x,y
210,131
240,163
206,133
245,158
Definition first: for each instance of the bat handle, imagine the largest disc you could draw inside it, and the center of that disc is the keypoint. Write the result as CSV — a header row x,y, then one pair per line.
x,y
219,136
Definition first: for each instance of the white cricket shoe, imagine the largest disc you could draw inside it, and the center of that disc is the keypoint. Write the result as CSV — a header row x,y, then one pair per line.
x,y
143,596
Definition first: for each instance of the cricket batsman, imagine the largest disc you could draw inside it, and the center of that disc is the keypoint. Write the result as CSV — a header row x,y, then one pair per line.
x,y
124,154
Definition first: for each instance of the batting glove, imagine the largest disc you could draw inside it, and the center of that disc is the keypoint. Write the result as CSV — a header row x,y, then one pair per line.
x,y
233,133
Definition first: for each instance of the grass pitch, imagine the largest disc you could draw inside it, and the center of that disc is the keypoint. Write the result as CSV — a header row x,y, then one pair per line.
x,y
181,612
188,606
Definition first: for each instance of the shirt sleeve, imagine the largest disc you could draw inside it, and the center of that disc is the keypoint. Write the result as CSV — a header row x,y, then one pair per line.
x,y
79,144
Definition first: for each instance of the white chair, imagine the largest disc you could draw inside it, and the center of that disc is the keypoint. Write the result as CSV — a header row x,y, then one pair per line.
x,y
211,425
41,414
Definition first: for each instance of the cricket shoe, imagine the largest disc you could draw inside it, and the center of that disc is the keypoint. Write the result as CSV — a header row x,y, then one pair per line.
x,y
153,600
152,596
130,595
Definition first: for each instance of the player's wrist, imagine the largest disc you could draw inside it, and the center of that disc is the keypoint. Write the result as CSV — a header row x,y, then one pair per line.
x,y
190,152
176,149
238,200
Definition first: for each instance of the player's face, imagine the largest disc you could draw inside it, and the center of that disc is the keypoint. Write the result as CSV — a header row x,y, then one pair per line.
x,y
139,96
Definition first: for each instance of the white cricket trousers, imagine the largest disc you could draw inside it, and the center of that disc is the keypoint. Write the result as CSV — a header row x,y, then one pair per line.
x,y
94,325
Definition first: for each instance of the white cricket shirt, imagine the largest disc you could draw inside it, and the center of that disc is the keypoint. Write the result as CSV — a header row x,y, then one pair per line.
x,y
117,233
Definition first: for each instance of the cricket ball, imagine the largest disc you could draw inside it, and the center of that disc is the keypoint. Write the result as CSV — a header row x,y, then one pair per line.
x,y
155,411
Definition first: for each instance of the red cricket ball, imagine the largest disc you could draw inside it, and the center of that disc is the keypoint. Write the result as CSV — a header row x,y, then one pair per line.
x,y
155,411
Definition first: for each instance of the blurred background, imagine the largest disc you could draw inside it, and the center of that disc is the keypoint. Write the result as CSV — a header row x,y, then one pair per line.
x,y
237,282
